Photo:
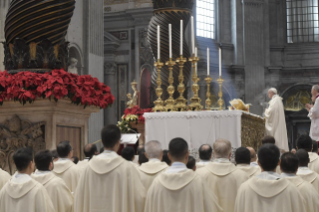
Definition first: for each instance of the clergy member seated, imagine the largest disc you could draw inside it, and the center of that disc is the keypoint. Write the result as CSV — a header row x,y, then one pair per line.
x,y
304,172
222,176
58,191
305,142
179,189
165,157
154,166
191,164
22,193
128,154
65,168
242,159
110,183
268,191
253,157
289,166
4,177
89,151
205,155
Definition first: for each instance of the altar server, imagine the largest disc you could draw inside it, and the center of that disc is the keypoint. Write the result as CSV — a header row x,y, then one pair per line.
x,y
179,188
253,157
289,167
305,142
22,193
89,151
110,183
268,191
65,168
275,120
304,172
314,113
205,155
222,176
58,191
242,159
154,166
4,177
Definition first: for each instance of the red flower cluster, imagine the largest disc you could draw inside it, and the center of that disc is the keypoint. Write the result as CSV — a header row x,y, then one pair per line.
x,y
136,110
27,86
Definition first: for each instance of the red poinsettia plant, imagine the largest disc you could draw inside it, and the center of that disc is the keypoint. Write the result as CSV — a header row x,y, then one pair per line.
x,y
136,111
26,86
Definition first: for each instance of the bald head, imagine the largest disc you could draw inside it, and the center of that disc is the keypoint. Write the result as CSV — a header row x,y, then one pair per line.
x,y
153,149
90,150
222,148
253,156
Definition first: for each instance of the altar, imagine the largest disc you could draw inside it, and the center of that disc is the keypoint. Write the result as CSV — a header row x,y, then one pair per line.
x,y
204,127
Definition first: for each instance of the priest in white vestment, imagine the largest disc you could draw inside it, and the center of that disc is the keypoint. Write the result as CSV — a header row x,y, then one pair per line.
x,y
222,176
242,159
65,168
179,189
305,142
110,183
22,193
314,113
275,120
58,191
89,151
154,166
268,191
304,172
253,157
289,166
4,177
205,152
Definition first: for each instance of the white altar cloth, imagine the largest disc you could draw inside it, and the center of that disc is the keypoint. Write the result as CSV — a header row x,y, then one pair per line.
x,y
196,127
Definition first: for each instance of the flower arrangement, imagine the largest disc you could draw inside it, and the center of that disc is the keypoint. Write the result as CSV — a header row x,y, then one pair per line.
x,y
27,86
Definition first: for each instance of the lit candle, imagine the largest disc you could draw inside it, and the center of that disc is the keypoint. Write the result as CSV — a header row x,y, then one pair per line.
x,y
208,62
193,35
196,63
220,62
158,42
170,40
181,40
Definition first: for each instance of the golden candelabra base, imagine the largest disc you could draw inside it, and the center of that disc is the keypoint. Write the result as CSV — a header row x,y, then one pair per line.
x,y
159,103
170,102
208,102
220,93
181,101
195,100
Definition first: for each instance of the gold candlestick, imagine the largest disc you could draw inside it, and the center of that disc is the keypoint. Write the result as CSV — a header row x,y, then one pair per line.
x,y
170,102
208,102
220,93
159,103
181,101
195,100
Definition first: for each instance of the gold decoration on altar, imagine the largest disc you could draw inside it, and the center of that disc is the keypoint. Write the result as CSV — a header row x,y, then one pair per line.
x,y
181,101
238,104
208,102
298,100
195,100
159,103
252,130
220,93
132,100
170,102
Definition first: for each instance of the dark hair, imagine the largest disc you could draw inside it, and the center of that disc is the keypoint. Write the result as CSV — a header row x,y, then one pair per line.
x,y
268,156
165,157
128,153
242,155
90,150
178,148
268,140
110,135
304,142
141,156
191,162
54,154
314,146
43,159
22,158
205,152
303,157
102,149
63,149
289,162
75,159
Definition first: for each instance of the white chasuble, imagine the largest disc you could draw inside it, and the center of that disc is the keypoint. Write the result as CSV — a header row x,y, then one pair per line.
x,y
312,178
68,172
4,178
29,196
314,117
183,191
58,191
269,195
109,184
314,162
148,172
223,179
83,163
249,170
276,123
